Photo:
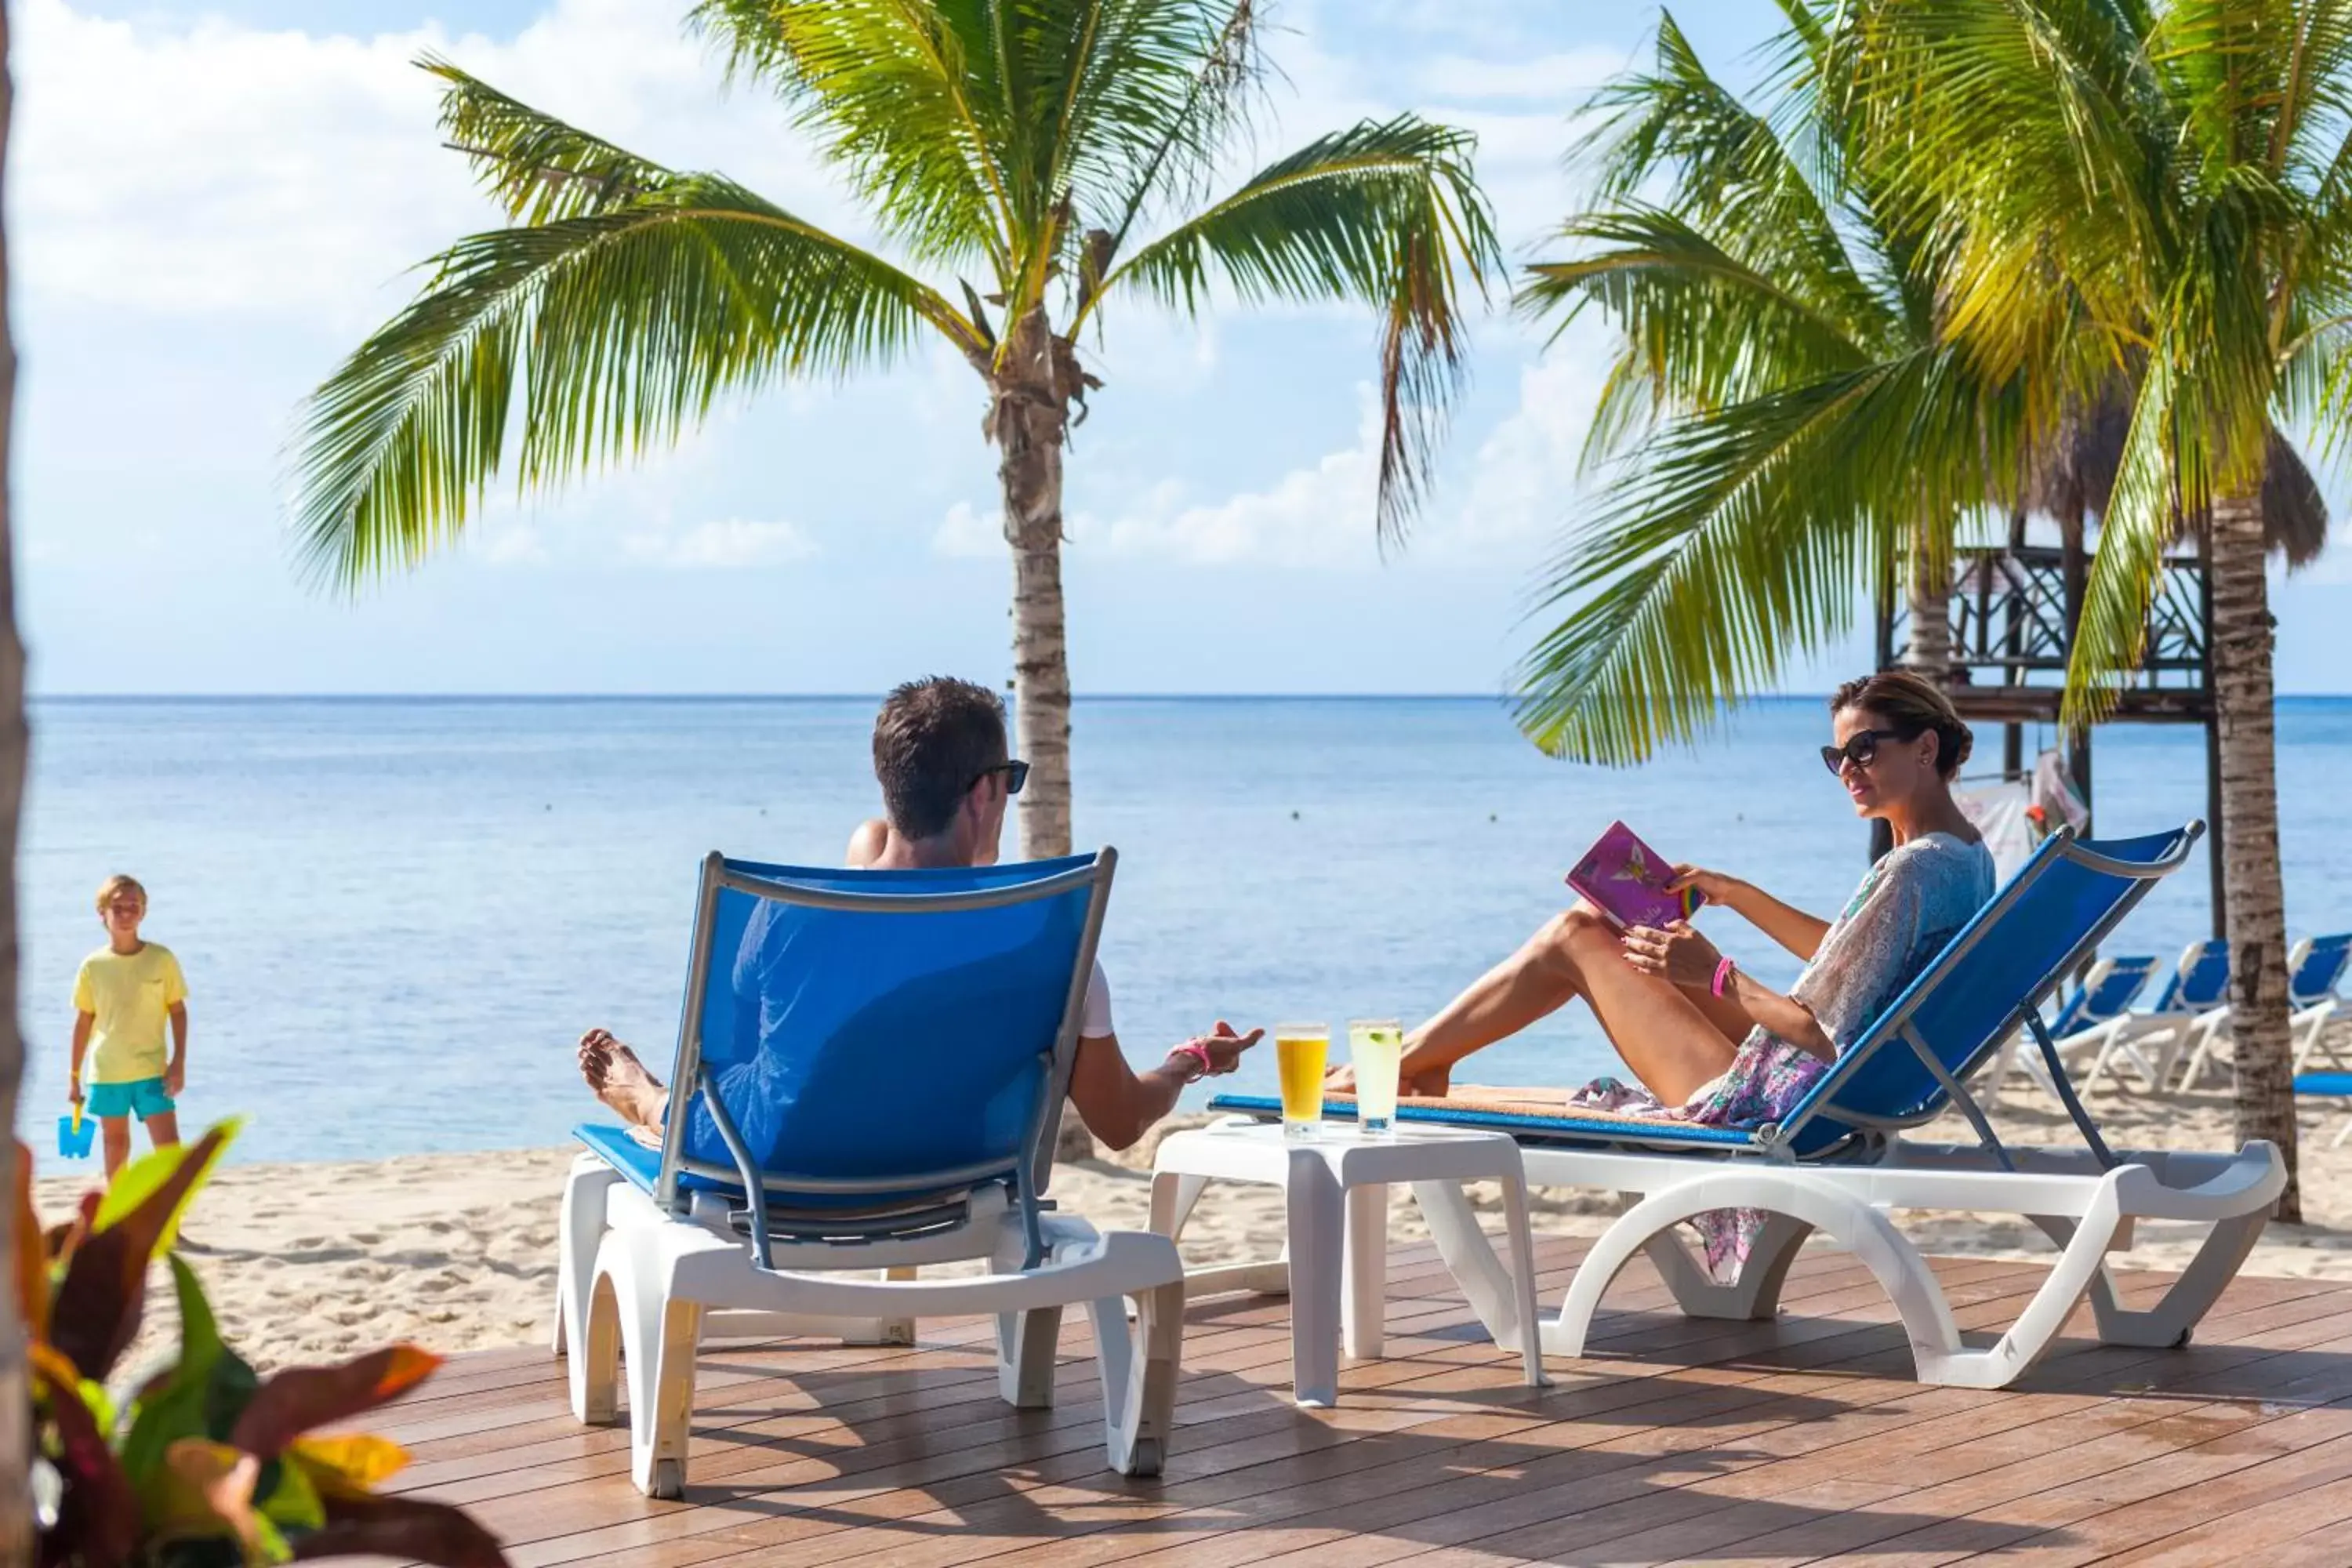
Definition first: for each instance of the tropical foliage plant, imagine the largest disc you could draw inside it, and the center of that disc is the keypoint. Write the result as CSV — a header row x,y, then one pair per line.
x,y
206,1463
1027,165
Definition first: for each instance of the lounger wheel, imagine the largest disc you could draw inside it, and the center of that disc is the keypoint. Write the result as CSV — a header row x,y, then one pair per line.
x,y
668,1481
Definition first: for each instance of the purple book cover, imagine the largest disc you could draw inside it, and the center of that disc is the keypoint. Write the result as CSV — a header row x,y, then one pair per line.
x,y
1626,879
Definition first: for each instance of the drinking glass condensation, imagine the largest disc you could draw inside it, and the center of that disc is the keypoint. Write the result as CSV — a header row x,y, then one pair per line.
x,y
1300,1053
1375,1046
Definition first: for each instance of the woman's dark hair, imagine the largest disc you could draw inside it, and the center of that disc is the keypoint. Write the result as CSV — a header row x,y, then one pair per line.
x,y
932,741
1914,705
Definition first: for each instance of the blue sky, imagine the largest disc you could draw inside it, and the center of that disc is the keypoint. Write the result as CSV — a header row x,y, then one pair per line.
x,y
211,202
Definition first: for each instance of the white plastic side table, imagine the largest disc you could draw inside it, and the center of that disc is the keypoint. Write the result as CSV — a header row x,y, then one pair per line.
x,y
1336,1184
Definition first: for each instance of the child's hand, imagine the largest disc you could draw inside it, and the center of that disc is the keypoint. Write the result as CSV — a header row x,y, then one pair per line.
x,y
73,1091
175,1081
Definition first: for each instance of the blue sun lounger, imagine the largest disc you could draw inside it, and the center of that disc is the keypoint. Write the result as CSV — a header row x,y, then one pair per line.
x,y
2315,967
870,1070
1839,1161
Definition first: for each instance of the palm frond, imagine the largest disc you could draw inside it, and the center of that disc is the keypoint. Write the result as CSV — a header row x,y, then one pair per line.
x,y
905,96
1676,139
601,335
1957,96
1746,538
1171,161
1703,325
1387,214
538,168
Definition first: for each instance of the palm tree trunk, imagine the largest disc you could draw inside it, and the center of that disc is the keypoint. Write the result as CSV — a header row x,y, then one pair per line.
x,y
1929,649
2248,836
15,1403
1028,418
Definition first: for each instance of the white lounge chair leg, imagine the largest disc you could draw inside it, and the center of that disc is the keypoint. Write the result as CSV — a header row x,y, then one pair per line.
x,y
1364,1307
1754,1295
1865,1231
593,1369
2173,1318
1140,1366
659,1333
1528,1337
1025,1344
1172,1197
1485,1283
884,1330
1316,1260
2311,1024
578,1227
2341,1133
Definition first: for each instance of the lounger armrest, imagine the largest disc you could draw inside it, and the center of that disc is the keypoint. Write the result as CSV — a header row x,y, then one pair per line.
x,y
2251,1179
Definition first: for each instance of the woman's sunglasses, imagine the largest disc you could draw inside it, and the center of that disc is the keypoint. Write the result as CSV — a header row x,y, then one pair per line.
x,y
1016,774
1861,748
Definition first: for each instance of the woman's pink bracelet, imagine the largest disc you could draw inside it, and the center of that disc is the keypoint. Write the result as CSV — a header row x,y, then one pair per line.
x,y
1722,976
1199,1053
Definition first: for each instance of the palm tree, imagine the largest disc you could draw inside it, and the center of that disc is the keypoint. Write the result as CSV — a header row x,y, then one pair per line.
x,y
2182,170
1034,145
16,1397
1790,431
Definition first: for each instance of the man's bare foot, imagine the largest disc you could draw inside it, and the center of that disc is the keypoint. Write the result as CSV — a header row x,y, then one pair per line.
x,y
619,1080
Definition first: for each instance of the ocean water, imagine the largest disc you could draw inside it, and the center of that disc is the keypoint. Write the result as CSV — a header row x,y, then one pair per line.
x,y
397,916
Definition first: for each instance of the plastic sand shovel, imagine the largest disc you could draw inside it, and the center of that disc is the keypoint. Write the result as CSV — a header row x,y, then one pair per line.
x,y
75,1134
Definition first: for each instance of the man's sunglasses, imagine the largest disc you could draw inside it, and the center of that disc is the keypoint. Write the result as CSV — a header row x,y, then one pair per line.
x,y
1016,774
1861,748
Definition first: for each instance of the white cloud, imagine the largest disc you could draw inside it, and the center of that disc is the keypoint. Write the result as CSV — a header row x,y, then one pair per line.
x,y
965,533
731,542
210,167
514,545
1319,515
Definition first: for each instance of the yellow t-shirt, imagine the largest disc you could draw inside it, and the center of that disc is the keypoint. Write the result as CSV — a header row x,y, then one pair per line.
x,y
131,996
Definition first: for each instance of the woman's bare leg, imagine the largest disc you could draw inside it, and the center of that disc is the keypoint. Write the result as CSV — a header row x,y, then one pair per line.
x,y
1671,1045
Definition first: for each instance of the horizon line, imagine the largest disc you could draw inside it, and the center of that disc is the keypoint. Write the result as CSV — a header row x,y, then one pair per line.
x,y
99,697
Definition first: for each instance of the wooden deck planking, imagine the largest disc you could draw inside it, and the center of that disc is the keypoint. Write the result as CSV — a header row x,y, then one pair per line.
x,y
1795,1441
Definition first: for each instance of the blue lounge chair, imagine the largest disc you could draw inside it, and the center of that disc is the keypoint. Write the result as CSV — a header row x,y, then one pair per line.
x,y
870,1068
2315,967
2086,1020
1839,1161
2198,984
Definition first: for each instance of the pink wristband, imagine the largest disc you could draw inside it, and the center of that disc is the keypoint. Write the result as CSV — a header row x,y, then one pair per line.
x,y
1199,1053
1722,976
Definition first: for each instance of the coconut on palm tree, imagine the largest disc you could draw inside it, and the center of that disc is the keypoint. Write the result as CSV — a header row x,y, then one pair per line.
x,y
1029,163
2179,174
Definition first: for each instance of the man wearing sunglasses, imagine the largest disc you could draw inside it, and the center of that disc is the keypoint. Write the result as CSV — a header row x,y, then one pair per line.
x,y
948,777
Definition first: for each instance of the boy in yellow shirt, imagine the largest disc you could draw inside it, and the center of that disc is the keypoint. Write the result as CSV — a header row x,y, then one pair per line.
x,y
124,994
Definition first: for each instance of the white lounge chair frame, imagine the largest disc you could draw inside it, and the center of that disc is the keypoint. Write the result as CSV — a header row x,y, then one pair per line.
x,y
645,1276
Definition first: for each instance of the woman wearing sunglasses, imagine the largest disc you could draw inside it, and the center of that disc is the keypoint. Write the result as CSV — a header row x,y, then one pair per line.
x,y
1708,1042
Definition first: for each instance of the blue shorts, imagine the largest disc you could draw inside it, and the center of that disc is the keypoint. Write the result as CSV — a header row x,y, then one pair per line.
x,y
142,1098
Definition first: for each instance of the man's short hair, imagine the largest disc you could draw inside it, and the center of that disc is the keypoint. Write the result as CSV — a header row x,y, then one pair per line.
x,y
932,741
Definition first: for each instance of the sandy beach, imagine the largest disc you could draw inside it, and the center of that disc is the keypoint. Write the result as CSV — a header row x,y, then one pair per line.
x,y
457,1252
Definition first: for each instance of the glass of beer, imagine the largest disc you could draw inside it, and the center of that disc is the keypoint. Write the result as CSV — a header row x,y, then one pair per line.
x,y
1300,1054
1375,1046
